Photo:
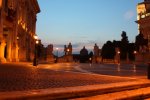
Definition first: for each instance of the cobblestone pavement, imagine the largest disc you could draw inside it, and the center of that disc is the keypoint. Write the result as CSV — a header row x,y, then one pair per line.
x,y
20,77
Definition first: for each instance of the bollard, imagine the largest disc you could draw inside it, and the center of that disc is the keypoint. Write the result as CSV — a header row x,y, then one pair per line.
x,y
148,71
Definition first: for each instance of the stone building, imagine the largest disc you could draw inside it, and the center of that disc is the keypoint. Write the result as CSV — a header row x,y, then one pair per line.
x,y
68,49
84,57
17,29
49,53
68,53
143,21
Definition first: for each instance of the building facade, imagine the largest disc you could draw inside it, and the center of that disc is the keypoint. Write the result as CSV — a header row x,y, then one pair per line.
x,y
17,29
143,21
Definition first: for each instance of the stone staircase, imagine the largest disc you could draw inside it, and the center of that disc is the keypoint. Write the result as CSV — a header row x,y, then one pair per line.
x,y
131,90
139,91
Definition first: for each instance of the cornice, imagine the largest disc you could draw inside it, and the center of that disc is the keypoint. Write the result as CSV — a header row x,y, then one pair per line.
x,y
36,6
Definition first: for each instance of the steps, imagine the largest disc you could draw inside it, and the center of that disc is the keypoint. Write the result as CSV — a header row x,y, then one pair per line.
x,y
136,94
121,90
132,92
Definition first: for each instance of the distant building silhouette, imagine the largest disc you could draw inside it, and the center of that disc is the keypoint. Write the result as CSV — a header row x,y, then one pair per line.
x,y
68,49
84,55
49,53
68,53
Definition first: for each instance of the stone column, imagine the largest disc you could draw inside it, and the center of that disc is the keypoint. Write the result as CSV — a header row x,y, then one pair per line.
x,y
2,42
2,49
16,48
16,53
15,39
9,46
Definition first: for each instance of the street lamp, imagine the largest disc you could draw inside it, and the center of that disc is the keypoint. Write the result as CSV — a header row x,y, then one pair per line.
x,y
35,63
135,52
57,51
90,60
118,57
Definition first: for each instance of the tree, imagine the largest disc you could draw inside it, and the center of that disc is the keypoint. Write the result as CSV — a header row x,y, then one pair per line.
x,y
124,39
91,54
124,45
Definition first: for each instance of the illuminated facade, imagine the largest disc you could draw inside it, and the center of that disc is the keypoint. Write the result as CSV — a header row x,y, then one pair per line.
x,y
17,29
143,19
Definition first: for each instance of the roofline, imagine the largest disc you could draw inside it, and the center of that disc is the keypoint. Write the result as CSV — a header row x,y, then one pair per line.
x,y
36,7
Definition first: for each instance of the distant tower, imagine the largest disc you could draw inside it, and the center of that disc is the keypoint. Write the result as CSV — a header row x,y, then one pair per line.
x,y
69,49
65,49
68,53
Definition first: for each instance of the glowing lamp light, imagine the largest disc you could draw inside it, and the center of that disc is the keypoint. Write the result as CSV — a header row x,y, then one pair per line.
x,y
135,52
35,37
17,38
37,41
118,52
68,50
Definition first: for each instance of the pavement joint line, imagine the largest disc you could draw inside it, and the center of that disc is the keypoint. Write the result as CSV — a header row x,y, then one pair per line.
x,y
67,91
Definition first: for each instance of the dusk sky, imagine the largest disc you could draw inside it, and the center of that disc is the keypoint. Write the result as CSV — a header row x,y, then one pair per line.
x,y
85,22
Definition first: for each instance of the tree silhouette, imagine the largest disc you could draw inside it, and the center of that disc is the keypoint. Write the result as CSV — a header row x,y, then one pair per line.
x,y
124,39
91,54
124,45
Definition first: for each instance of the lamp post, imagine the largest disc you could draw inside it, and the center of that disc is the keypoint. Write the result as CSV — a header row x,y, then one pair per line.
x,y
68,55
118,57
56,60
134,64
35,63
135,52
